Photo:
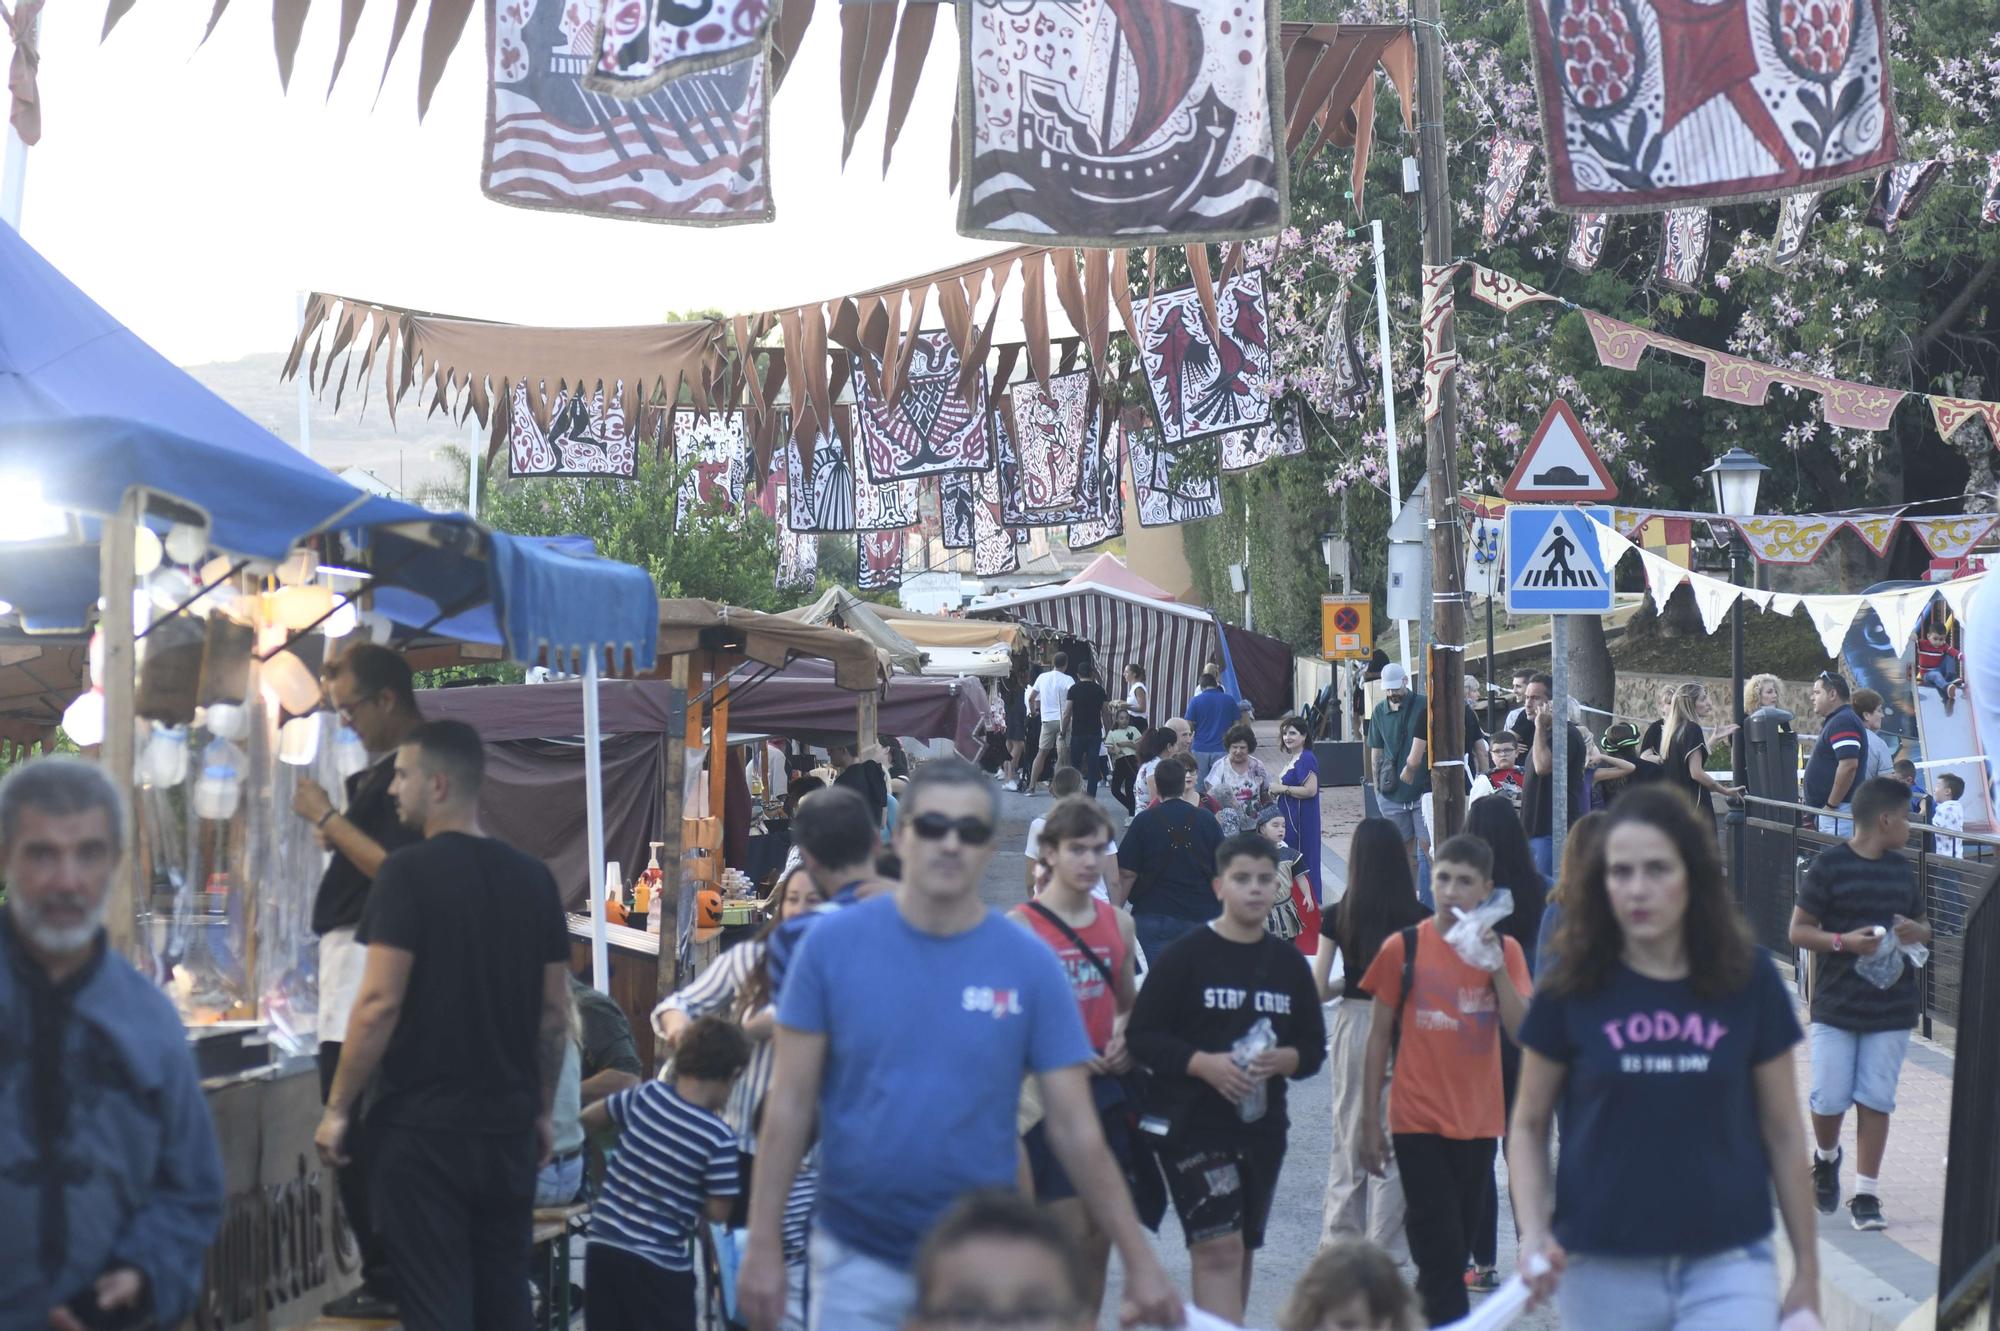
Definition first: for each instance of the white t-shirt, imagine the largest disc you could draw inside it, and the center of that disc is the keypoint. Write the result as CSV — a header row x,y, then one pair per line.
x,y
1103,890
1052,688
1949,814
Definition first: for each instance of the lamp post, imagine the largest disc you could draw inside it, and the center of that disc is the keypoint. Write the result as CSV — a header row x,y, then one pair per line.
x,y
1733,480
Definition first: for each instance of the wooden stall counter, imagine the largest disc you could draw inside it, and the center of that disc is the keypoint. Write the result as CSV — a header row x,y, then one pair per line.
x,y
634,958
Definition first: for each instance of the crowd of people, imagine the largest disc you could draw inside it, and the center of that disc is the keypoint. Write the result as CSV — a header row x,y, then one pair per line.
x,y
924,1112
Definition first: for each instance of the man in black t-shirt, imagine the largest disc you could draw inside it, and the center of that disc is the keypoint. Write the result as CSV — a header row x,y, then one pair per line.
x,y
1166,863
1859,900
371,689
1538,802
1083,718
463,1012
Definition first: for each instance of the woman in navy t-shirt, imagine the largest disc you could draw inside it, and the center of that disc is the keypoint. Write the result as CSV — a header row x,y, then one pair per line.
x,y
1664,1037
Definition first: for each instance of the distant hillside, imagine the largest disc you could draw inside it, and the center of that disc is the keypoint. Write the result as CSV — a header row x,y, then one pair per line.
x,y
405,456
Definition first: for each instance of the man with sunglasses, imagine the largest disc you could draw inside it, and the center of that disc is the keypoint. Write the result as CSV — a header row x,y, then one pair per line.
x,y
372,690
906,1024
1834,769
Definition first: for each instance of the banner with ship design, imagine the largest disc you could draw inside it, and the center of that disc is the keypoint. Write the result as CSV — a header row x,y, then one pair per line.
x,y
1205,385
1089,122
693,151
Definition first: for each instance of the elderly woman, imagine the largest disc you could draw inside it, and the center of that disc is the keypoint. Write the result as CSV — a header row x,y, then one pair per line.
x,y
1239,771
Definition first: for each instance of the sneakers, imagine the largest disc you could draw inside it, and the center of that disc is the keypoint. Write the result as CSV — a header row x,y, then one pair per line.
x,y
1826,1181
1867,1211
1481,1279
361,1305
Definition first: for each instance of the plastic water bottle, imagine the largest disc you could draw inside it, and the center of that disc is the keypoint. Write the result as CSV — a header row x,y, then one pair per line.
x,y
219,789
166,756
1259,1039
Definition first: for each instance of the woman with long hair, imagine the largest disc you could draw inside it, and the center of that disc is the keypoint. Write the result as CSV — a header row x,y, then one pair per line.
x,y
1580,848
1380,900
1154,745
1685,755
1664,1037
1297,789
1137,694
1492,819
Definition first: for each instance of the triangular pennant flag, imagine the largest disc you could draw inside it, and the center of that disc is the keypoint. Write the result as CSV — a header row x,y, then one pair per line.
x,y
1662,576
1713,597
1762,600
1876,533
1952,537
1611,547
1830,616
1958,594
1899,612
1787,540
1784,603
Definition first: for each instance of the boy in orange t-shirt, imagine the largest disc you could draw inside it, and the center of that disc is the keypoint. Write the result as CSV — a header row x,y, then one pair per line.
x,y
1446,1111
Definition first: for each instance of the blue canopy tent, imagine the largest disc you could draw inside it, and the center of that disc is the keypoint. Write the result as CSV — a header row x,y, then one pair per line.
x,y
95,422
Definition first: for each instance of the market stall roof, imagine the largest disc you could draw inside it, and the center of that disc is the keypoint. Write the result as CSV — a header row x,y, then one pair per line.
x,y
88,411
842,609
929,631
1111,571
690,624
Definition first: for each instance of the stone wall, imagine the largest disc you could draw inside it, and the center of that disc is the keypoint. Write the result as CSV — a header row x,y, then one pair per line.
x,y
1638,699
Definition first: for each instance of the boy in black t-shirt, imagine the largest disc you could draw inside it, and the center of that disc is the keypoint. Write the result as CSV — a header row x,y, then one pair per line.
x,y
1083,717
1206,992
1858,898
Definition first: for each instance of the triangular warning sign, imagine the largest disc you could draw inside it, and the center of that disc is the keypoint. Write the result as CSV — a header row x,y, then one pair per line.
x,y
1560,465
1560,560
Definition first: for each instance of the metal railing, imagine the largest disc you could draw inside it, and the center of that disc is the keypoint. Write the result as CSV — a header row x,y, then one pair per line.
x,y
1969,1253
1780,838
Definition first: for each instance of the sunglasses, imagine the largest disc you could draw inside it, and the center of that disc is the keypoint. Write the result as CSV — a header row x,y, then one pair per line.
x,y
936,827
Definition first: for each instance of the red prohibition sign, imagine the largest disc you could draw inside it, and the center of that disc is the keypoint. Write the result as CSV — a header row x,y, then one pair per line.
x,y
1346,619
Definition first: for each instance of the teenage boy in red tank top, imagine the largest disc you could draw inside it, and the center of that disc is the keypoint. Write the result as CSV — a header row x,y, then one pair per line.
x,y
1071,920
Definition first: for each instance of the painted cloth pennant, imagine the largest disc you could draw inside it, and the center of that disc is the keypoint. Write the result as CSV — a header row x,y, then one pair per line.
x,y
1900,192
1343,351
930,427
1662,576
1875,533
995,548
710,445
1989,210
825,503
1089,122
883,507
1110,520
798,552
1795,215
1502,292
958,495
1202,385
1048,445
583,438
1167,489
1586,241
644,44
1953,537
1782,540
879,560
1652,104
691,151
1282,437
1506,172
1437,316
1683,248
1953,413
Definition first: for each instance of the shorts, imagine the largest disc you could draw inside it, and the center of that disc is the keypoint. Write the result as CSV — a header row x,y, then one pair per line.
x,y
1404,816
1219,1191
1855,1068
1051,731
1050,1178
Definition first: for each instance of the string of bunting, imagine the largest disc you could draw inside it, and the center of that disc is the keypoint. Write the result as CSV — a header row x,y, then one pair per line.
x,y
1730,378
1900,610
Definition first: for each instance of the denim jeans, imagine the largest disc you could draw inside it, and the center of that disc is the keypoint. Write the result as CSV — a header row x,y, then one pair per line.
x,y
1839,827
559,1181
1724,1291
1855,1068
852,1291
1543,851
1155,932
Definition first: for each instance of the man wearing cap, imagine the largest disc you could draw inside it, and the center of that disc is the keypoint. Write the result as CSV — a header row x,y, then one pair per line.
x,y
1396,755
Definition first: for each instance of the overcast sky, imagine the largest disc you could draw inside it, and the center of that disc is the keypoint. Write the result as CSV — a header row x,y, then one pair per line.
x,y
189,196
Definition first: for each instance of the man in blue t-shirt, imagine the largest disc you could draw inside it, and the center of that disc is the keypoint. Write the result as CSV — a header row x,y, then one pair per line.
x,y
1211,712
906,1025
1834,769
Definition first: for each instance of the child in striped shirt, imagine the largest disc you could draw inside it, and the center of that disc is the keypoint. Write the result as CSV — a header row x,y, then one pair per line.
x,y
676,1165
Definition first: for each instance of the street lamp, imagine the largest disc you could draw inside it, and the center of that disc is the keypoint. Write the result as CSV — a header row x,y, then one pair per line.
x,y
1733,480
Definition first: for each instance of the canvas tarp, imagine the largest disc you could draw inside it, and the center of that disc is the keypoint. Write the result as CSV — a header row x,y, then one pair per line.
x,y
945,631
842,609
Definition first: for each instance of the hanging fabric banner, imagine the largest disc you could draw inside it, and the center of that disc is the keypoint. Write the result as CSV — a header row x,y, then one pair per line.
x,y
1952,413
1090,122
1110,520
1683,248
930,427
1437,315
1652,104
691,152
1502,292
1661,578
1795,215
1780,540
1712,598
826,502
879,560
1875,533
1989,210
798,552
1343,351
1167,488
1506,172
1954,537
1611,546
1282,437
958,494
1900,192
1048,444
644,44
883,507
711,445
1202,385
1831,616
583,438
1734,379
1586,241
1899,613
1783,603
995,549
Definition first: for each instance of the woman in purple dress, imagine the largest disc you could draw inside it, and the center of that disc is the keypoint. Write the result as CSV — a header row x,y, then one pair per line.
x,y
1298,796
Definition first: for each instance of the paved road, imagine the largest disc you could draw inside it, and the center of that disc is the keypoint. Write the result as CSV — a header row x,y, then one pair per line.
x,y
1293,1236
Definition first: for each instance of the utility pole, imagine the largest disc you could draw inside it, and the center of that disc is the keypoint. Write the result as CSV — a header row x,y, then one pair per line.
x,y
1445,678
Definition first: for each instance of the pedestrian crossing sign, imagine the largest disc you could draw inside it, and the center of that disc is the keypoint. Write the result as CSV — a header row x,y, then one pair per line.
x,y
1554,565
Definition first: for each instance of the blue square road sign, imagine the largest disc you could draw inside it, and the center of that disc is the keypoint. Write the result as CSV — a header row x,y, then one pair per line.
x,y
1554,565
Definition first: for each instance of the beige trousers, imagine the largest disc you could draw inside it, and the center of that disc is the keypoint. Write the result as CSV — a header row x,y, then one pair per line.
x,y
1358,1205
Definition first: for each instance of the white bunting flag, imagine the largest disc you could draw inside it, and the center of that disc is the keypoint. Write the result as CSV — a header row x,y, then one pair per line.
x,y
1830,616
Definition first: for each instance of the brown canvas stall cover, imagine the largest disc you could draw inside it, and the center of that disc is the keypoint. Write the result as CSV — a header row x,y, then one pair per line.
x,y
945,631
36,683
470,366
842,609
691,624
